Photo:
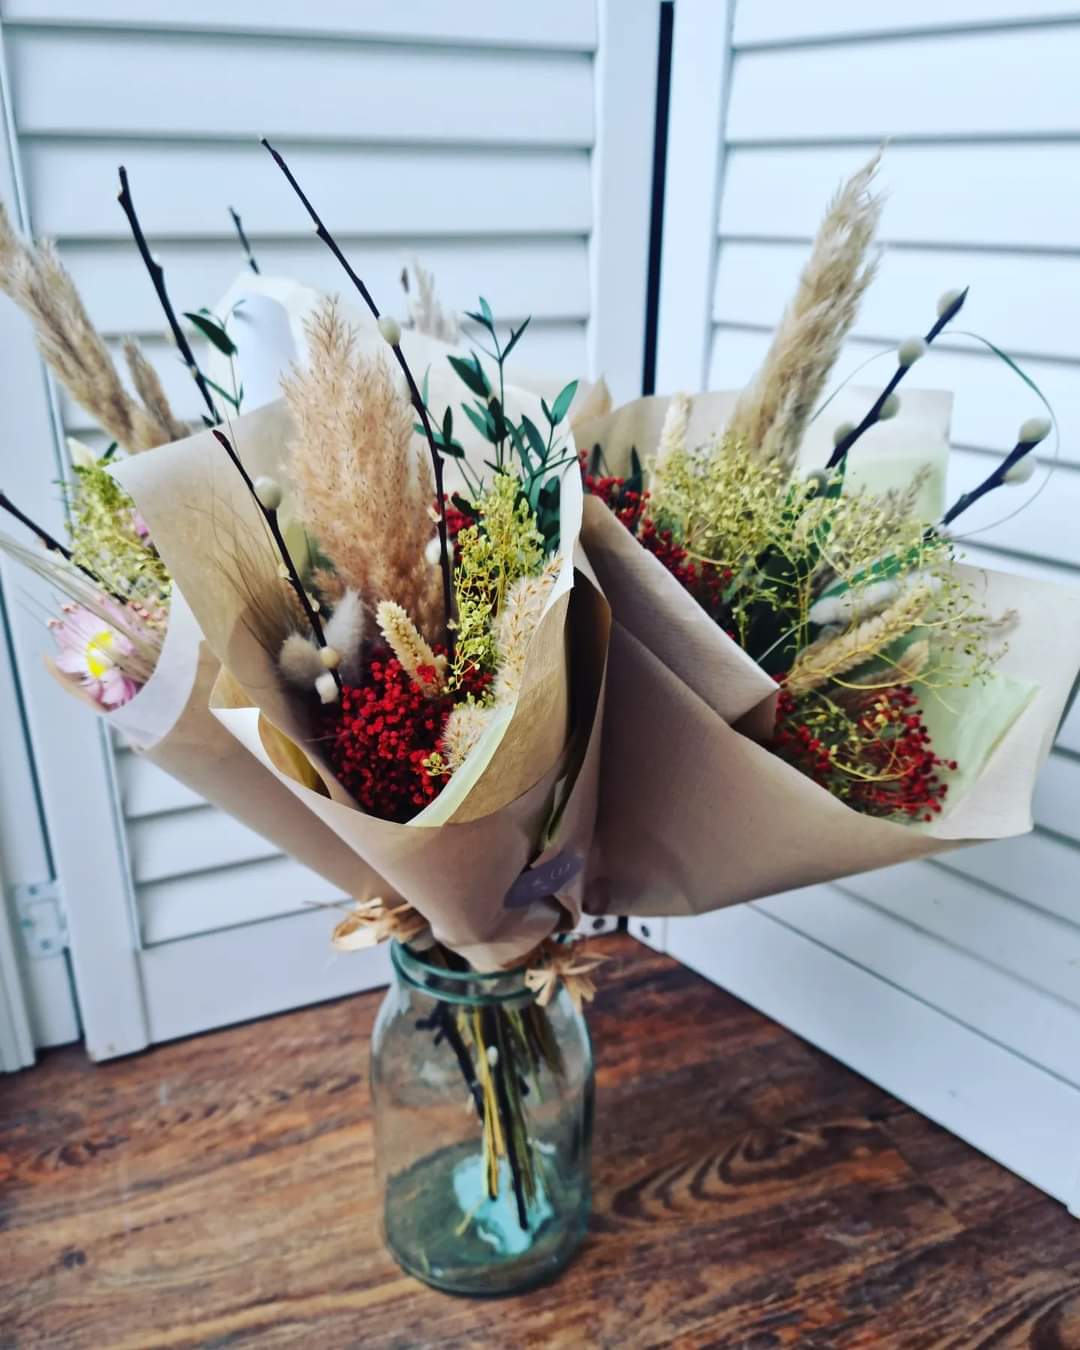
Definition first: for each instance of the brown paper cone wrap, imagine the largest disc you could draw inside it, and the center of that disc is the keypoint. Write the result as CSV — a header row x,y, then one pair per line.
x,y
458,873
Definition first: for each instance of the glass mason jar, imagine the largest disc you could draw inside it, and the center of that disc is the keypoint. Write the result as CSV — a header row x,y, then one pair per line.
x,y
483,1124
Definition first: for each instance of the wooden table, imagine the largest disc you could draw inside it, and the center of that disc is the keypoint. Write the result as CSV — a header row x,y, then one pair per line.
x,y
749,1192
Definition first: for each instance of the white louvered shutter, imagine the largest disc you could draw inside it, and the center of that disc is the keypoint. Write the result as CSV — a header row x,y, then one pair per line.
x,y
507,147
955,984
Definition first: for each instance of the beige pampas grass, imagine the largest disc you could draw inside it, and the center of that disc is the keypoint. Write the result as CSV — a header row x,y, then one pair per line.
x,y
419,662
772,411
38,282
363,488
831,657
425,311
673,432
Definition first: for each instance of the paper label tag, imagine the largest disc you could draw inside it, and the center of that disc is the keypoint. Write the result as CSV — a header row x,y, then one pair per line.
x,y
543,880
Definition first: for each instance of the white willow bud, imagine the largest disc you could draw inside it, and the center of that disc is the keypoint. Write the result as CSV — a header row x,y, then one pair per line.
x,y
1021,471
330,657
842,432
268,491
946,300
326,687
910,350
889,408
1034,430
390,329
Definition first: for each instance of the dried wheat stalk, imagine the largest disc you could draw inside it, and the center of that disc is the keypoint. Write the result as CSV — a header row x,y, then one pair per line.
x,y
832,656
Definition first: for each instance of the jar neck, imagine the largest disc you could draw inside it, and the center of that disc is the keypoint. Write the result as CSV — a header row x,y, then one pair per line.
x,y
468,987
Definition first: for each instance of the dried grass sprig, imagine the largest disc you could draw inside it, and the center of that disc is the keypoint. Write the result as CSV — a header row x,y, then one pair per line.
x,y
425,669
772,411
362,488
33,276
426,312
831,657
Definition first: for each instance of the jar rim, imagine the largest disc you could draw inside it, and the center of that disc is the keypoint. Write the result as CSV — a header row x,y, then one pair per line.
x,y
400,951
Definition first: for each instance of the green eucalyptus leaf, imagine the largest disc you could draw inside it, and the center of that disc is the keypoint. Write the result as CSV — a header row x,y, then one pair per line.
x,y
515,336
561,406
471,374
482,423
536,441
209,327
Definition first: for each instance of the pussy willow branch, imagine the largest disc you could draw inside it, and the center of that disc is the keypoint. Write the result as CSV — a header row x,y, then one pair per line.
x,y
990,482
157,276
270,516
239,226
414,391
844,445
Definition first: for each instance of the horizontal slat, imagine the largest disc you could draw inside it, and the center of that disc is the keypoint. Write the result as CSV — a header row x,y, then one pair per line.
x,y
1057,802
1038,868
183,191
120,83
1025,303
204,902
146,790
758,23
1043,530
1012,937
189,841
971,195
1008,1010
1013,1110
965,87
565,24
557,349
219,978
547,278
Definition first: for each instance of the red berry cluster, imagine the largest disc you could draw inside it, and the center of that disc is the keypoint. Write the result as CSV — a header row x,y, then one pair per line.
x,y
706,584
881,734
380,732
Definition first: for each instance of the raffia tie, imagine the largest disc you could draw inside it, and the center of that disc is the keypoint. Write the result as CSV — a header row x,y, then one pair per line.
x,y
558,963
373,921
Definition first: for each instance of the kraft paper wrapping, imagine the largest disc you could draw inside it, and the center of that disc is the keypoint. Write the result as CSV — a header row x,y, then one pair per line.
x,y
695,815
457,860
169,722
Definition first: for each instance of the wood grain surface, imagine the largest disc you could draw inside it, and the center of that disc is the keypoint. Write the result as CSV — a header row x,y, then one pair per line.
x,y
749,1192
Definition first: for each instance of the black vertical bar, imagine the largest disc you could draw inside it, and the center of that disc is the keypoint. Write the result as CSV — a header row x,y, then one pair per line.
x,y
656,223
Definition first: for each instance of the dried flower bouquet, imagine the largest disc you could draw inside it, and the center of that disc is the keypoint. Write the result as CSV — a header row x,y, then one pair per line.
x,y
846,647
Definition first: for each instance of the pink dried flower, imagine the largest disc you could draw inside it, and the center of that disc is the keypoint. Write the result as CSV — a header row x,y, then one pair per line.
x,y
89,648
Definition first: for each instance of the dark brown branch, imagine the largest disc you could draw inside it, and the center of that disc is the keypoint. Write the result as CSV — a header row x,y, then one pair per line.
x,y
270,516
239,224
990,482
414,391
157,276
846,442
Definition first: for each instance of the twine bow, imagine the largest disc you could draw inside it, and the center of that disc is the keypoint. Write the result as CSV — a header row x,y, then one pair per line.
x,y
558,964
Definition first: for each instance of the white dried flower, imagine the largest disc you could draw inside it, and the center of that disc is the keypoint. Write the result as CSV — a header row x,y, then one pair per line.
x,y
912,349
326,687
1034,430
842,431
946,300
268,491
82,457
390,329
1021,471
889,408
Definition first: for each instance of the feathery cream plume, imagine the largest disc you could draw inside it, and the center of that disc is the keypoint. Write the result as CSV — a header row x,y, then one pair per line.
x,y
461,733
521,612
829,657
419,662
426,313
37,281
673,432
362,486
772,411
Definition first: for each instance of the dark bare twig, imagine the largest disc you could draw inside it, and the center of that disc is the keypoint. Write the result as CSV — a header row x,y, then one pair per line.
x,y
54,545
270,516
414,391
993,480
846,442
157,276
239,225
